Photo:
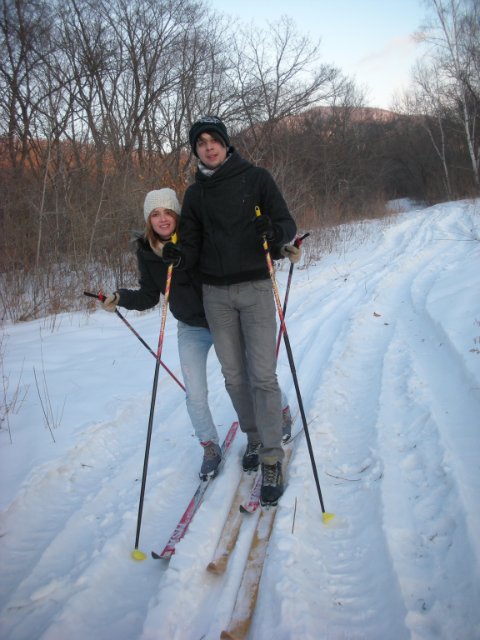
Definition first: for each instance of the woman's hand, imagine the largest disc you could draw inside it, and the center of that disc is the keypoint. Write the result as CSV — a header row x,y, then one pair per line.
x,y
110,302
292,252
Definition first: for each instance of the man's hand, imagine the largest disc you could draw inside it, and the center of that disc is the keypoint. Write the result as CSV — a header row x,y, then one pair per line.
x,y
264,228
172,254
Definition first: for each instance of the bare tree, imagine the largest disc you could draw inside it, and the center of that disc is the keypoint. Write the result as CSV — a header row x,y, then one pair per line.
x,y
427,102
203,87
454,33
278,74
25,45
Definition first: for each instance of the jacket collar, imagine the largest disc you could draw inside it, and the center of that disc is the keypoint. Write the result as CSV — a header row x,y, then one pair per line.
x,y
233,165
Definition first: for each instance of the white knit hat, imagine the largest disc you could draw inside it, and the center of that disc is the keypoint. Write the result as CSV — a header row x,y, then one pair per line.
x,y
163,198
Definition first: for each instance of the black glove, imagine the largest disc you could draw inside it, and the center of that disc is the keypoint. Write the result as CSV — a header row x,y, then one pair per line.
x,y
172,254
264,228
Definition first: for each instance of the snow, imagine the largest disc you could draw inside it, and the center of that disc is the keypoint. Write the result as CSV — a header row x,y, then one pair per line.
x,y
385,333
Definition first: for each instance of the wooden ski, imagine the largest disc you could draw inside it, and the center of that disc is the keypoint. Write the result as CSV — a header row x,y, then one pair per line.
x,y
231,527
246,600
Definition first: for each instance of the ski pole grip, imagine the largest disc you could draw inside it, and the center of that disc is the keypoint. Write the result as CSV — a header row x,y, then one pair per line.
x,y
258,213
98,296
298,241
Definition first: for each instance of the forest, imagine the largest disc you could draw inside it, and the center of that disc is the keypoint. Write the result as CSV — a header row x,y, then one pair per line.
x,y
97,97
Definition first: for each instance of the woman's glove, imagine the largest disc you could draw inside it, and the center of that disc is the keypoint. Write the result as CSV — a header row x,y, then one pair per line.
x,y
172,254
292,252
111,301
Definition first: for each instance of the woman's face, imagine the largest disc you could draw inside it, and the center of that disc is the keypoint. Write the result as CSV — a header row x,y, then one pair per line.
x,y
163,222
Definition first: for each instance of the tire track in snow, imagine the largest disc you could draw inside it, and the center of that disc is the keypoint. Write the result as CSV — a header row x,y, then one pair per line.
x,y
427,521
449,404
337,558
431,463
344,286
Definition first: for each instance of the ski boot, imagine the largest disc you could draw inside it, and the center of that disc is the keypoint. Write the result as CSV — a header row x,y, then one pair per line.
x,y
212,456
250,460
272,484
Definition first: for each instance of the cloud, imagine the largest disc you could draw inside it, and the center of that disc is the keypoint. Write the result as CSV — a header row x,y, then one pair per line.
x,y
403,47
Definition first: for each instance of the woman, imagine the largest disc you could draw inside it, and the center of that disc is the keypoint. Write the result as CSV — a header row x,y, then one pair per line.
x,y
161,212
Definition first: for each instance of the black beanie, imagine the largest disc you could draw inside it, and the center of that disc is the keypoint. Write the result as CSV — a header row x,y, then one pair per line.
x,y
207,123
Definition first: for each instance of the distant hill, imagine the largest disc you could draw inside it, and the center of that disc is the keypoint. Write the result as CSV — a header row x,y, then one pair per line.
x,y
358,114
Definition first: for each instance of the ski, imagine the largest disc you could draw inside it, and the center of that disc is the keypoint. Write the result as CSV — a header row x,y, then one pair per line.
x,y
231,527
246,500
253,502
246,599
194,503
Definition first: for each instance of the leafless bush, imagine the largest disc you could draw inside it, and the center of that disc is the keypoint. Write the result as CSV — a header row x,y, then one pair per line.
x,y
52,417
14,393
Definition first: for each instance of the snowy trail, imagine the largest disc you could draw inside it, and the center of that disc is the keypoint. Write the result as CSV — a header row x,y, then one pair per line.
x,y
94,491
355,424
349,413
382,336
430,466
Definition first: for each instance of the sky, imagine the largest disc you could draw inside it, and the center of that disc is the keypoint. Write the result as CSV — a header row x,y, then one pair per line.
x,y
385,334
369,40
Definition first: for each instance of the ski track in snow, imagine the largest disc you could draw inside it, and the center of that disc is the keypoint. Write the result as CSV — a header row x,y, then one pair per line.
x,y
371,357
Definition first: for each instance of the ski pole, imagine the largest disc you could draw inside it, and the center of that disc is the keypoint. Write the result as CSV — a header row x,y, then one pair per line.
x,y
136,553
297,243
325,516
101,297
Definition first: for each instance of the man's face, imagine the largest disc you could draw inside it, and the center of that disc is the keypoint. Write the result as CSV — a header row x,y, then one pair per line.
x,y
211,152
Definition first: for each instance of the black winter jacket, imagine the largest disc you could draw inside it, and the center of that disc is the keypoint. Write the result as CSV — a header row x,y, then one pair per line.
x,y
185,300
216,226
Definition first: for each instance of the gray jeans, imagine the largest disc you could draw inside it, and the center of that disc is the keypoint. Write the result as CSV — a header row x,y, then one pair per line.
x,y
243,325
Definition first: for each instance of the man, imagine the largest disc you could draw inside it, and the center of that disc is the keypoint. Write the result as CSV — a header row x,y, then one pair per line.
x,y
220,233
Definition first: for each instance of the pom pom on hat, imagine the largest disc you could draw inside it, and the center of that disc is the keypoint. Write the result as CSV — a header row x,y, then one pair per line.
x,y
161,198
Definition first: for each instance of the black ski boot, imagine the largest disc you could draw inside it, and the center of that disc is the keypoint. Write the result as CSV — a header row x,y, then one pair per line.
x,y
272,484
250,460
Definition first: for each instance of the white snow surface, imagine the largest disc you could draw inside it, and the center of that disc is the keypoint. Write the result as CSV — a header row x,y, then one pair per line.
x,y
385,333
